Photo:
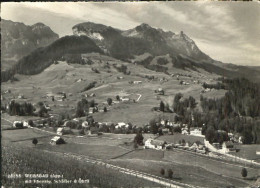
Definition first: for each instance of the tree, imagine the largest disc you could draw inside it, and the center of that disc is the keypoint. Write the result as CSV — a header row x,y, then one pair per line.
x,y
105,109
170,173
162,171
139,138
30,122
210,134
244,172
35,141
154,127
117,98
248,137
109,101
162,106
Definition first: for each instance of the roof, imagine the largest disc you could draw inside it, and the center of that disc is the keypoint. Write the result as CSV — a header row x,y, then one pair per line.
x,y
59,129
55,138
121,124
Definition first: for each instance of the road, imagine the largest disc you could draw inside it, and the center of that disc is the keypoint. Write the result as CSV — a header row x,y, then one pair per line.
x,y
139,97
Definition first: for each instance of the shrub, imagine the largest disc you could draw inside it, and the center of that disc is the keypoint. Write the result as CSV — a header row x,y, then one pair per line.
x,y
244,172
170,173
162,171
35,141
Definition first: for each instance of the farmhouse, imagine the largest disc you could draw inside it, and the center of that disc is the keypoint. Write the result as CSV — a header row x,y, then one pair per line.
x,y
57,140
196,132
160,91
124,99
184,131
18,124
121,125
165,131
91,110
228,147
85,124
63,130
154,144
20,96
137,82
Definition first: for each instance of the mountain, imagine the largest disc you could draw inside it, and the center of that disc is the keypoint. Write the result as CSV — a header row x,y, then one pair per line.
x,y
43,57
139,40
153,48
19,40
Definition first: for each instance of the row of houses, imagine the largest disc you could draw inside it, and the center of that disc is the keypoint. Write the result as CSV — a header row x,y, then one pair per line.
x,y
162,145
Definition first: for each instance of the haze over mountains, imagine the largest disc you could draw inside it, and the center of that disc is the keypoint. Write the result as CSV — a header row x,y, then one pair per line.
x,y
153,48
19,39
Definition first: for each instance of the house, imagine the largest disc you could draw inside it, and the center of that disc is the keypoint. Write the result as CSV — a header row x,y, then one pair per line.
x,y
121,125
137,82
154,144
57,140
196,132
194,146
63,130
91,110
228,147
165,131
92,95
124,99
160,91
18,124
184,131
85,124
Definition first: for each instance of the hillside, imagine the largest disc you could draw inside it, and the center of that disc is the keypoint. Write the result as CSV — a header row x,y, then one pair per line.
x,y
19,40
41,58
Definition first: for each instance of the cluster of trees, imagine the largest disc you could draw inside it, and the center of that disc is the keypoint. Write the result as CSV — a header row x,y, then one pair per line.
x,y
138,140
83,107
214,86
169,171
237,112
41,58
164,107
123,69
74,59
162,61
157,68
24,109
95,70
42,111
89,86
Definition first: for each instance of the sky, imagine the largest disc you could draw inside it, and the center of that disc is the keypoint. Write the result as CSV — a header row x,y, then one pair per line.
x,y
226,31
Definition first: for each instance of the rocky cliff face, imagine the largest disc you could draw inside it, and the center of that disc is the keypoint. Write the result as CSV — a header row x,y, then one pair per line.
x,y
19,39
141,39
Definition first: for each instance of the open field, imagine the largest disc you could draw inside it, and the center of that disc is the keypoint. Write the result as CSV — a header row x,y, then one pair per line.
x,y
218,167
31,160
188,174
248,152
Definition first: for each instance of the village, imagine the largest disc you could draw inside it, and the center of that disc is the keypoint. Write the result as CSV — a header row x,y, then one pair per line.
x,y
128,118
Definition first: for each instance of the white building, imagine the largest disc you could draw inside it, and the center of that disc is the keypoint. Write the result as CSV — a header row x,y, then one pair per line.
x,y
196,132
154,144
137,82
